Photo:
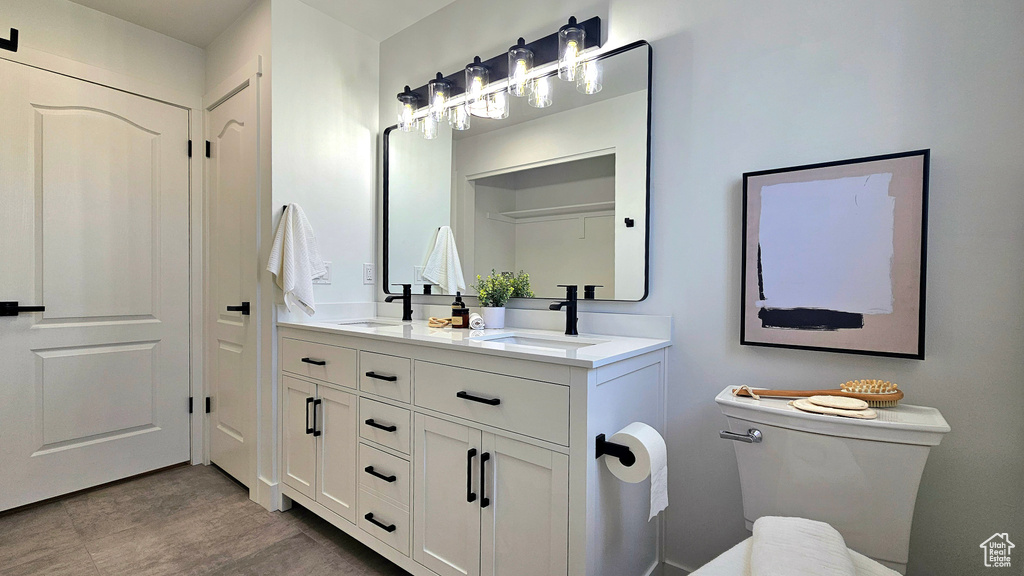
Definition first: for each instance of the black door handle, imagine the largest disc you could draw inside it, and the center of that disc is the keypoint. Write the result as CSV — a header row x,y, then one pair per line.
x,y
309,429
316,403
381,377
389,479
12,44
315,362
467,396
484,500
244,308
470,496
381,525
12,309
391,428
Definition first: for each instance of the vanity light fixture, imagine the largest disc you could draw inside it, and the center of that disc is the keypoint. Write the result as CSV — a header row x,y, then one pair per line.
x,y
520,63
440,91
408,102
588,80
540,92
477,79
459,117
571,41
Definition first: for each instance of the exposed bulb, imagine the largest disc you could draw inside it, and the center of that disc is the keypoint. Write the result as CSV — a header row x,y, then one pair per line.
x,y
498,106
589,80
540,93
405,121
569,60
517,83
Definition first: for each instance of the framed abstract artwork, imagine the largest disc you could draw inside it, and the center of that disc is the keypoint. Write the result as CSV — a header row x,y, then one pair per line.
x,y
834,256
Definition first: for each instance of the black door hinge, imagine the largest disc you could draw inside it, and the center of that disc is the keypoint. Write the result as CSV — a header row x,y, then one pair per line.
x,y
189,148
189,404
207,148
12,44
207,404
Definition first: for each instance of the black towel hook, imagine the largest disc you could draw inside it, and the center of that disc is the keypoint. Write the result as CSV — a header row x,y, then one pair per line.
x,y
12,44
620,451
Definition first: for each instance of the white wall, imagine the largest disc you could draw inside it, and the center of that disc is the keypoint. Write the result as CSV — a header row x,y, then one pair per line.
x,y
741,86
325,138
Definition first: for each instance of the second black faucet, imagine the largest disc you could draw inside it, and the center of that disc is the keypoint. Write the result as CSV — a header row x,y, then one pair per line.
x,y
571,306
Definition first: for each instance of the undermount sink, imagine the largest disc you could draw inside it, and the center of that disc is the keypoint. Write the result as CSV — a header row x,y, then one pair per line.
x,y
368,324
535,341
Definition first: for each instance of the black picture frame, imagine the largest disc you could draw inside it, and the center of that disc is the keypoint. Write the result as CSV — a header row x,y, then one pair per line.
x,y
817,330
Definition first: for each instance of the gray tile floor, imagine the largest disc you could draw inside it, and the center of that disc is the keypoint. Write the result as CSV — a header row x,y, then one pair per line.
x,y
187,520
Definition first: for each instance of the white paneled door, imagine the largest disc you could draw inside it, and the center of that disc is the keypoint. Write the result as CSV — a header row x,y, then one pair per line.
x,y
94,201
233,192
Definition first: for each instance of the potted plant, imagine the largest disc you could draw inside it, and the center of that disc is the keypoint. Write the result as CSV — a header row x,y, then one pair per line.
x,y
521,286
494,292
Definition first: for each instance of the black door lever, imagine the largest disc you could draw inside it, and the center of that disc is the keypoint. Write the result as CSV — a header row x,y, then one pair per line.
x,y
12,309
12,44
244,308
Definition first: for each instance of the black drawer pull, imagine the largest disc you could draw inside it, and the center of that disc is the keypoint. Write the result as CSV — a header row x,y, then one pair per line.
x,y
316,403
484,500
315,362
391,428
243,308
309,429
379,524
470,495
489,401
376,376
369,470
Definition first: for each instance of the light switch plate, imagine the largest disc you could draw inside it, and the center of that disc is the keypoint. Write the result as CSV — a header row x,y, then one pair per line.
x,y
326,278
368,275
417,275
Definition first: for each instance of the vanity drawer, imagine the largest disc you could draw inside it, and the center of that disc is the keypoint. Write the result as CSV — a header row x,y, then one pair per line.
x,y
320,361
387,376
394,485
537,409
390,524
384,424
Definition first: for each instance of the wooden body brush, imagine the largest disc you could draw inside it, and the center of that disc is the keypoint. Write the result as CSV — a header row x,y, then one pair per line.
x,y
876,393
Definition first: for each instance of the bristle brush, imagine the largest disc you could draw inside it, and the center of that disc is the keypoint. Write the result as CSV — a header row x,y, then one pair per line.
x,y
877,393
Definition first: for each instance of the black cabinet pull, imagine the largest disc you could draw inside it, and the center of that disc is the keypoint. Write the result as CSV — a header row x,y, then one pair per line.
x,y
391,428
467,396
316,403
470,496
376,376
315,362
309,429
484,500
244,308
12,309
389,479
379,524
12,44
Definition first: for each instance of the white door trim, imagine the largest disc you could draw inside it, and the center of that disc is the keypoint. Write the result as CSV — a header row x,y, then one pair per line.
x,y
247,75
132,85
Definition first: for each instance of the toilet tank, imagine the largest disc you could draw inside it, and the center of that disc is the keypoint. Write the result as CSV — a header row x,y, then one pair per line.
x,y
860,476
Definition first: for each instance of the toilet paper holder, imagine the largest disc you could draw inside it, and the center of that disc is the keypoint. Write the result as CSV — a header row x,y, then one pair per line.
x,y
623,453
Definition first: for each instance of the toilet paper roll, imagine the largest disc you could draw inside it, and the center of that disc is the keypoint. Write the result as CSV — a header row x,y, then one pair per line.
x,y
476,322
651,460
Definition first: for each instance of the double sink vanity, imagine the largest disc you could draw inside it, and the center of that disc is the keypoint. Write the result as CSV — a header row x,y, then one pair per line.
x,y
458,452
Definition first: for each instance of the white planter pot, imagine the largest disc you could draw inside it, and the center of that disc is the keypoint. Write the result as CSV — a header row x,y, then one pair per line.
x,y
493,317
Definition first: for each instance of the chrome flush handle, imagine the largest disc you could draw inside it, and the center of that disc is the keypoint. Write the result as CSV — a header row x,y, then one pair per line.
x,y
753,436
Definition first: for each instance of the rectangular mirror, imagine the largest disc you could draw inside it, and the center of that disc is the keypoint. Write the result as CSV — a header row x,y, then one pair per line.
x,y
559,192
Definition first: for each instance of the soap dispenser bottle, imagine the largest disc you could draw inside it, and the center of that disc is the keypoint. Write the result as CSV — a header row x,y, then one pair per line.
x,y
460,313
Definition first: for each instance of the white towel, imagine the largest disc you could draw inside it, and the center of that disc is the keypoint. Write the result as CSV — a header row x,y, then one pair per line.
x,y
736,562
443,266
295,259
476,321
787,546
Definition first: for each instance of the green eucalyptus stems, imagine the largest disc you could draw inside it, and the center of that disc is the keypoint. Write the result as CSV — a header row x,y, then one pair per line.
x,y
495,290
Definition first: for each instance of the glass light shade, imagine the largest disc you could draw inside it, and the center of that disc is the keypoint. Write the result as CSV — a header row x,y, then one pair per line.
x,y
440,90
520,63
498,105
408,102
477,78
540,92
588,80
571,40
459,117
428,126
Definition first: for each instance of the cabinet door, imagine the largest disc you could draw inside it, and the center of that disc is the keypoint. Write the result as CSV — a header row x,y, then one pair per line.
x,y
446,522
299,445
525,529
336,452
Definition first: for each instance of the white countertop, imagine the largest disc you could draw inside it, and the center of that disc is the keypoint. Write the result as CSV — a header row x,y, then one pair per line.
x,y
604,349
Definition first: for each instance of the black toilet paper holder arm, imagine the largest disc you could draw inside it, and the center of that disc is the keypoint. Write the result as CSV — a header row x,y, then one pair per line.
x,y
622,452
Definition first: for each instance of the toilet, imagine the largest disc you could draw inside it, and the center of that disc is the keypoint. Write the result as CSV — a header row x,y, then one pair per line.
x,y
860,476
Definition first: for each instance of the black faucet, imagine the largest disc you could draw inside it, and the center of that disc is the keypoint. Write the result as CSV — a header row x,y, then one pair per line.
x,y
571,306
406,299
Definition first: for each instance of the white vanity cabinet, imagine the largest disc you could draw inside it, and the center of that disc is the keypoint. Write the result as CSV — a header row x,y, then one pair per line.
x,y
467,461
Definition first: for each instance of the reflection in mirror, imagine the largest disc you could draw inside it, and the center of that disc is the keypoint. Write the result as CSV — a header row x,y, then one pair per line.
x,y
558,192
